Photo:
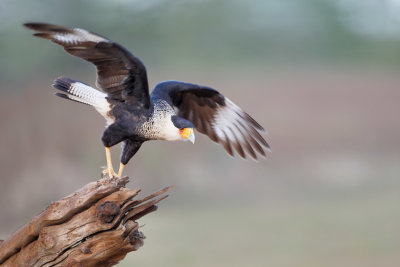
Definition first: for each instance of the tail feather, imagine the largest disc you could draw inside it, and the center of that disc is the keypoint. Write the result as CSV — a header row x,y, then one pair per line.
x,y
82,93
69,97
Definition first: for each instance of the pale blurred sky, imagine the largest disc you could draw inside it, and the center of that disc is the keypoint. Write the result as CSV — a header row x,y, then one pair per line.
x,y
372,18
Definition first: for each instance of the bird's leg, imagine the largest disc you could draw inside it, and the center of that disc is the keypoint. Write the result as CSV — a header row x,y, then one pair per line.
x,y
121,169
110,169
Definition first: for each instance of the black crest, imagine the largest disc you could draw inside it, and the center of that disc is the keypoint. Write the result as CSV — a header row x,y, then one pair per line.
x,y
181,122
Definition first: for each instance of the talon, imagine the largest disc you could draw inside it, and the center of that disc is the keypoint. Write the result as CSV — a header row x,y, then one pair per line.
x,y
107,173
104,173
114,174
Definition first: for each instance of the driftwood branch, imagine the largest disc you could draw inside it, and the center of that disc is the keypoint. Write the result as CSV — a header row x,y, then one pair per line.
x,y
95,226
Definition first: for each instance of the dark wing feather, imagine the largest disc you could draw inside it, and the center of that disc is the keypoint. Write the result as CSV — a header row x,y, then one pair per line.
x,y
120,74
215,116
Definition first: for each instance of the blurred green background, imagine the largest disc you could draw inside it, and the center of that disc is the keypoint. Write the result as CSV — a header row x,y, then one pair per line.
x,y
322,76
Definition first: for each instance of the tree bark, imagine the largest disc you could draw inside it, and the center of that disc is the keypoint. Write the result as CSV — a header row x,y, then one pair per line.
x,y
94,226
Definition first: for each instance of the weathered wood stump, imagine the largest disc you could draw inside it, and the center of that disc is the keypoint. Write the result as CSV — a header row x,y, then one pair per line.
x,y
95,226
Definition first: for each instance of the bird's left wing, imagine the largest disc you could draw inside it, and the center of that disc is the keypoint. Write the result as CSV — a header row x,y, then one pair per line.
x,y
120,74
216,116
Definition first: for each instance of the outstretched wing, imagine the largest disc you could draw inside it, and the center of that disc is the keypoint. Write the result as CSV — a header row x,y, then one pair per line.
x,y
120,74
216,116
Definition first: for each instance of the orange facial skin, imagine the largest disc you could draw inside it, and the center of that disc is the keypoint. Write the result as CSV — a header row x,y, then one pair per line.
x,y
185,132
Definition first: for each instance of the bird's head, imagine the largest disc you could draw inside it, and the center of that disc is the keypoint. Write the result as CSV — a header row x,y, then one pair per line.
x,y
184,127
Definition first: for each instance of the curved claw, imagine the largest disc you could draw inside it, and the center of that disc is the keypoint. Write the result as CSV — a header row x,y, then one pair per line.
x,y
107,173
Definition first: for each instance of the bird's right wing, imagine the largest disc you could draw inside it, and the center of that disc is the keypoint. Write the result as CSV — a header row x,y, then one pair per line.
x,y
216,116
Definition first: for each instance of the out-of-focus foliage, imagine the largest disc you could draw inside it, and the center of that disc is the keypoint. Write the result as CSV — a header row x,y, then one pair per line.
x,y
174,33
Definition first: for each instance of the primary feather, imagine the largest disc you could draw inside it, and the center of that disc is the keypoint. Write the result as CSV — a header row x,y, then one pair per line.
x,y
119,74
215,116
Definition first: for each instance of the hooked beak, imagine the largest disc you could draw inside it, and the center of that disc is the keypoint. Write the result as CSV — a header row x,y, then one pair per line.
x,y
191,137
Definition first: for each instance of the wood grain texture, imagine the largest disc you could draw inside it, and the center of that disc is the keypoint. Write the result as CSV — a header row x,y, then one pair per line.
x,y
94,226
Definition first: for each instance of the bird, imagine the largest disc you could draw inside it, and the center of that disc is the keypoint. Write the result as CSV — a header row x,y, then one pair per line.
x,y
133,116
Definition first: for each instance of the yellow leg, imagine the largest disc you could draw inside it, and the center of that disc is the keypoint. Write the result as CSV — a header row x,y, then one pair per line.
x,y
110,169
121,169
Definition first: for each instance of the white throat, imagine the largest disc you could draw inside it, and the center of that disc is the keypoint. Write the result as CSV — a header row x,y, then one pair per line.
x,y
160,125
